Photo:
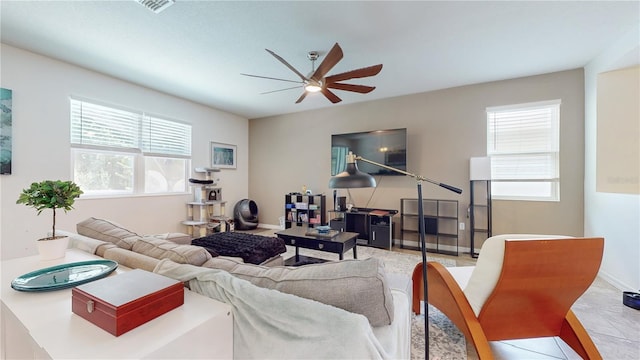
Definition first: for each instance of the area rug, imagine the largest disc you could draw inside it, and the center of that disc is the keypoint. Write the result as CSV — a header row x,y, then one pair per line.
x,y
445,340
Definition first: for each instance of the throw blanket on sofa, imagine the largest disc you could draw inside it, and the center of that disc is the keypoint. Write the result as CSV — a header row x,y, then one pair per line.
x,y
269,324
253,249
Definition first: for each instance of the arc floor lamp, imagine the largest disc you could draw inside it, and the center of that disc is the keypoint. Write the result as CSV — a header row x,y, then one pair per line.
x,y
354,178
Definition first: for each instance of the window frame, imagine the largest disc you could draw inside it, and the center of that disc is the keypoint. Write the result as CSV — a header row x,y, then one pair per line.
x,y
551,169
140,152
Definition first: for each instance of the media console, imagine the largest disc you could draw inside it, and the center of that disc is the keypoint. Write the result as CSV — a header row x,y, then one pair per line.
x,y
374,226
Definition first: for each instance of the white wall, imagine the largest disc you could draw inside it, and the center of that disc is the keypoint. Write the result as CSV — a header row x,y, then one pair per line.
x,y
41,89
614,216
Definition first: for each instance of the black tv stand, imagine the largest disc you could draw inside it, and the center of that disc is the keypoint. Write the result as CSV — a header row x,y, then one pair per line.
x,y
374,226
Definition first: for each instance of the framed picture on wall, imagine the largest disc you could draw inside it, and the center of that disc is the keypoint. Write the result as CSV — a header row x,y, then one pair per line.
x,y
6,137
223,156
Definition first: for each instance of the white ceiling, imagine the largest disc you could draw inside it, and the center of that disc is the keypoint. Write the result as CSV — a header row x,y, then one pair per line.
x,y
197,49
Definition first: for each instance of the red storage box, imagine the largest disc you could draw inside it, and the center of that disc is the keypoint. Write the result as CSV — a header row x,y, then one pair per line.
x,y
125,301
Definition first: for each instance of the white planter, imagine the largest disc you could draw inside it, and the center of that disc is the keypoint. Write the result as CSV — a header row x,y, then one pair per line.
x,y
53,249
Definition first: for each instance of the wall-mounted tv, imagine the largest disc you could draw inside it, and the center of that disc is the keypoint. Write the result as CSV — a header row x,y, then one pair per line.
x,y
388,147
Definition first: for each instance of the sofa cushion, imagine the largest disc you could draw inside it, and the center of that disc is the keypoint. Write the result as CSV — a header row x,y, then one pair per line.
x,y
178,238
85,243
358,286
165,249
130,259
107,231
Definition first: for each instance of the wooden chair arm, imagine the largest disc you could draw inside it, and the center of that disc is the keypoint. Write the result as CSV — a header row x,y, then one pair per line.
x,y
447,296
576,336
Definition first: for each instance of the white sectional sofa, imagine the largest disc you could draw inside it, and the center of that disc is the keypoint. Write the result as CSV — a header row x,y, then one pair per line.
x,y
360,291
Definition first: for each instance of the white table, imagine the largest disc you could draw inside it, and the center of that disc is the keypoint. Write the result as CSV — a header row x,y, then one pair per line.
x,y
41,325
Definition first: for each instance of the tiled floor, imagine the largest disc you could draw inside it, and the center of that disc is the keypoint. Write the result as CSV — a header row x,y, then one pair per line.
x,y
614,327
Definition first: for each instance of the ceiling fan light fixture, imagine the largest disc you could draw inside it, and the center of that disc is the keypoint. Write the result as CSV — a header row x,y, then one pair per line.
x,y
312,87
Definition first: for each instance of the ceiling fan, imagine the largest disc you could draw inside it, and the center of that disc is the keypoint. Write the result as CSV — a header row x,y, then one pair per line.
x,y
316,80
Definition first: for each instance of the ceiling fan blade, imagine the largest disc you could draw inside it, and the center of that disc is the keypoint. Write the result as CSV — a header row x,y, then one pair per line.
x,y
304,94
332,58
331,96
273,91
272,78
287,65
353,74
350,87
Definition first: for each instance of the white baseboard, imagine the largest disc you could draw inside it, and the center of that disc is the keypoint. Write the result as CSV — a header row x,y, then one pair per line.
x,y
615,282
269,226
461,249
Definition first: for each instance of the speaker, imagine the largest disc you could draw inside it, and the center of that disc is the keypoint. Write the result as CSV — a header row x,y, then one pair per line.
x,y
341,203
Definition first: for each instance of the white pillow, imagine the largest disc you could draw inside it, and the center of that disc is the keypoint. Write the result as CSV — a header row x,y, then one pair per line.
x,y
489,265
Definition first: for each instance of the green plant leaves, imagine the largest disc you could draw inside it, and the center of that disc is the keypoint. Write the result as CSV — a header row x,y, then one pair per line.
x,y
50,194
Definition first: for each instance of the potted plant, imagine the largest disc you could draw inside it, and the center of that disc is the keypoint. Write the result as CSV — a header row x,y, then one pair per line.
x,y
51,194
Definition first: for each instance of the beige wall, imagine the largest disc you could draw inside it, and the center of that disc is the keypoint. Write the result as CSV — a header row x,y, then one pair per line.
x,y
618,142
445,129
41,89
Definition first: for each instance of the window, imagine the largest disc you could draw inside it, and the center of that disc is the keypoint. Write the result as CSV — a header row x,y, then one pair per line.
x,y
124,152
523,143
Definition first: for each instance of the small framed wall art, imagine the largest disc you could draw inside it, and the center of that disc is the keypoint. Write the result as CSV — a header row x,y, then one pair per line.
x,y
223,156
6,137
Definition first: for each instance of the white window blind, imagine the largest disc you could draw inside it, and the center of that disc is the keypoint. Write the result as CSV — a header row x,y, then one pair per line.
x,y
160,136
97,125
523,143
122,152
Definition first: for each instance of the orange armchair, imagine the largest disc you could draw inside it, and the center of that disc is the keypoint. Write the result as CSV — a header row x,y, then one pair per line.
x,y
523,286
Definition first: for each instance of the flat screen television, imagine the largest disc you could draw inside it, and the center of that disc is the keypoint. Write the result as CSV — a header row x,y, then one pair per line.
x,y
388,147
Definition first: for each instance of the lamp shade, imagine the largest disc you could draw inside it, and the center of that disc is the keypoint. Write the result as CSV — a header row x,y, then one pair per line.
x,y
480,168
352,178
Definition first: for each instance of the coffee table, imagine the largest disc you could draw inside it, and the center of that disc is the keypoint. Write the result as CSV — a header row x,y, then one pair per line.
x,y
300,237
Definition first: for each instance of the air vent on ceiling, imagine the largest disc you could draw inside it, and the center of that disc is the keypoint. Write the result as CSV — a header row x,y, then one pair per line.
x,y
156,5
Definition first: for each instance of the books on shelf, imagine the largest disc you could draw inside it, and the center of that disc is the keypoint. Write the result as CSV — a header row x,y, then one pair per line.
x,y
315,220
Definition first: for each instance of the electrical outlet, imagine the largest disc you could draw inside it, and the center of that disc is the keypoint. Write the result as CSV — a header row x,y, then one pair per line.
x,y
462,226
